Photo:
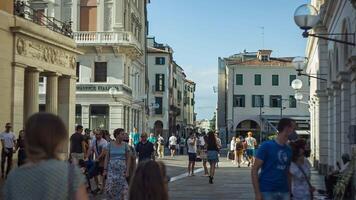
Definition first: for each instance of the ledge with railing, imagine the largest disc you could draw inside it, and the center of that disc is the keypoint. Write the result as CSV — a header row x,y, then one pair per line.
x,y
21,9
90,38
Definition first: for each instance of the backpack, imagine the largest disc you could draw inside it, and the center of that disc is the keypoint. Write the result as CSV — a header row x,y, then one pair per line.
x,y
239,146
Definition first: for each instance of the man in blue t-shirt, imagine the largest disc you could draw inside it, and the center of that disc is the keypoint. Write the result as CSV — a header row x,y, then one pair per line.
x,y
274,158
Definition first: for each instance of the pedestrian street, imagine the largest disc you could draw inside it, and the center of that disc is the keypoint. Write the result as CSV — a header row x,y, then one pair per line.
x,y
230,182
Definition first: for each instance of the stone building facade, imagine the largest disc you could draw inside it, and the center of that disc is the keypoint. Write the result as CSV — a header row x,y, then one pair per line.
x,y
32,48
332,102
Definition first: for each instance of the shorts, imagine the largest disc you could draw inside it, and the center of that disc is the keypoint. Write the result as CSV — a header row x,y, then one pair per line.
x,y
213,156
192,156
172,147
250,152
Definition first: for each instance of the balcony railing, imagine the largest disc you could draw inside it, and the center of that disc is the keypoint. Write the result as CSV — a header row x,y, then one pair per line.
x,y
21,9
91,38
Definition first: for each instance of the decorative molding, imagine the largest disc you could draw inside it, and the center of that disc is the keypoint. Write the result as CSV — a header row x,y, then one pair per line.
x,y
44,53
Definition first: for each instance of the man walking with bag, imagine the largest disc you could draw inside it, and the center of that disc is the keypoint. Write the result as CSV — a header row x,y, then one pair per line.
x,y
8,140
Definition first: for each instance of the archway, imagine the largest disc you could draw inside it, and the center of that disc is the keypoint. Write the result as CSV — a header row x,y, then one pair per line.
x,y
248,125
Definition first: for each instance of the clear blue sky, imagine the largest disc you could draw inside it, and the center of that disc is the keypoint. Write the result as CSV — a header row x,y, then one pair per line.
x,y
200,31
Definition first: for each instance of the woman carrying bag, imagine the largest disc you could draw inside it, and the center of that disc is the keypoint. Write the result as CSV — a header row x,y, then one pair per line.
x,y
300,173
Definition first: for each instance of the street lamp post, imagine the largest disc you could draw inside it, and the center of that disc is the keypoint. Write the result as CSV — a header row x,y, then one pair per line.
x,y
307,17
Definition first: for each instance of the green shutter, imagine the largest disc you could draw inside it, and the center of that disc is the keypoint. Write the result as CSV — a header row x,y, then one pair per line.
x,y
253,101
275,81
258,79
291,79
239,79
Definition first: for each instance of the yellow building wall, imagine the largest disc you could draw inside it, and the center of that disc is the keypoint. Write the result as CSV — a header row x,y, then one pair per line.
x,y
7,5
6,57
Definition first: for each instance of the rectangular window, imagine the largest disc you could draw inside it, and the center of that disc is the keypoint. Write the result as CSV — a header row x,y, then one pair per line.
x,y
158,101
160,60
264,58
100,72
291,79
159,82
179,95
192,102
174,83
257,101
292,102
239,101
78,71
275,101
239,79
88,17
258,78
275,80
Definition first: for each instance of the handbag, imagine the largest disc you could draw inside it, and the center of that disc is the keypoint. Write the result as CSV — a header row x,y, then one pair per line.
x,y
308,181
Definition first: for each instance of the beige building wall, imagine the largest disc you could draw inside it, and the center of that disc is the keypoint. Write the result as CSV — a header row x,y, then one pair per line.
x,y
6,56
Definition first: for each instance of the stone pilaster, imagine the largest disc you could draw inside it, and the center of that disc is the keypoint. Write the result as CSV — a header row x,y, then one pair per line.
x,y
85,116
32,76
331,140
337,121
52,93
352,71
66,104
116,117
344,80
322,128
18,97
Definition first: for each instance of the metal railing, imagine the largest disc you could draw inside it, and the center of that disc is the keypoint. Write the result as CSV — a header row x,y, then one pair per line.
x,y
21,9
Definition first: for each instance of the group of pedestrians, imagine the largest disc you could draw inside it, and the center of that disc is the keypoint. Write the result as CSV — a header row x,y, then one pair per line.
x,y
208,149
45,176
242,150
11,145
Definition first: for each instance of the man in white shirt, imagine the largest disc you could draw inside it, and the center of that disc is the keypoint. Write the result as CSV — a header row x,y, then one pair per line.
x,y
172,145
8,140
192,153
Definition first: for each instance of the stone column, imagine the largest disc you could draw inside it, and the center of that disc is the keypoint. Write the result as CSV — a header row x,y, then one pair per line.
x,y
52,93
18,97
352,70
66,105
85,115
32,76
129,118
116,117
344,80
322,126
330,128
337,121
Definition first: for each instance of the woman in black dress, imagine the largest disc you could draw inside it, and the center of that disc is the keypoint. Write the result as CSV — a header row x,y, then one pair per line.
x,y
20,146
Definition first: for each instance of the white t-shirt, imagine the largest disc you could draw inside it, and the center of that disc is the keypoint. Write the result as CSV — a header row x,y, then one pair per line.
x,y
102,144
173,140
232,145
192,148
250,141
8,139
201,141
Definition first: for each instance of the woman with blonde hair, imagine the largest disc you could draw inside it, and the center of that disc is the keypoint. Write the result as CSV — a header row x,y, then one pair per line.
x,y
149,182
45,176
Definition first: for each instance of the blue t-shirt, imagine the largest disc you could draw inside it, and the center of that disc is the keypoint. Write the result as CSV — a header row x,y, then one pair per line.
x,y
274,172
135,137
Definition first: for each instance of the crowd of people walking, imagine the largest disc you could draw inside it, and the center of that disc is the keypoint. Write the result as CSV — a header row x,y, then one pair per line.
x,y
111,162
280,168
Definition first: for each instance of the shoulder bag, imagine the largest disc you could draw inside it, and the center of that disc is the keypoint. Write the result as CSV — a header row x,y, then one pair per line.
x,y
308,181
